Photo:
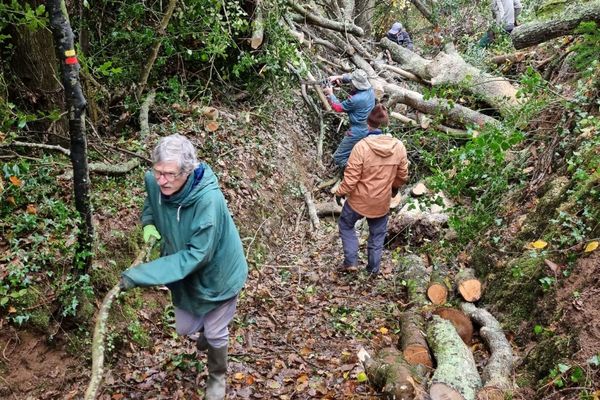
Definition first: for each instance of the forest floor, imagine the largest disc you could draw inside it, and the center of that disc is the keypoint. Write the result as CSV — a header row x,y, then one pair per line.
x,y
300,322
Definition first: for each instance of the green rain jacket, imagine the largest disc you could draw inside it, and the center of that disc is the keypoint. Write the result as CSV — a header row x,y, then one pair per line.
x,y
202,260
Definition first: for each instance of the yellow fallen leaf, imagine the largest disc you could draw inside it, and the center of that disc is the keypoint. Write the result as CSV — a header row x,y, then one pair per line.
x,y
31,209
302,378
238,376
591,246
361,377
12,310
383,330
15,181
538,244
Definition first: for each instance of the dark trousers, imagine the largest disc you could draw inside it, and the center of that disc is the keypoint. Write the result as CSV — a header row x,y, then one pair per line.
x,y
377,231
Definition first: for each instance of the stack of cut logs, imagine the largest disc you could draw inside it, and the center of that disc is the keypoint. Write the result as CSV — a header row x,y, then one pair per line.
x,y
434,359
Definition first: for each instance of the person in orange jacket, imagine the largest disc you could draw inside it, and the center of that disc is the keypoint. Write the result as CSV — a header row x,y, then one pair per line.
x,y
376,169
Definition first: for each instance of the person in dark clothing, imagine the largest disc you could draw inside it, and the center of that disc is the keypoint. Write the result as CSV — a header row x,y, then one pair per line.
x,y
399,35
357,106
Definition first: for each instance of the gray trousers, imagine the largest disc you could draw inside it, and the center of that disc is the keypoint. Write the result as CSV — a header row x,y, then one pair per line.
x,y
377,232
214,324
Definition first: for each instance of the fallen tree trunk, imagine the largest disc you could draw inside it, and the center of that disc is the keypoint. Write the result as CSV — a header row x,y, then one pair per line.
x,y
417,277
412,340
455,377
455,112
449,68
498,371
538,32
460,321
468,285
390,374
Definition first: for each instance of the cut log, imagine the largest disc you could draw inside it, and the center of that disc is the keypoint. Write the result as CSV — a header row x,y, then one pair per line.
x,y
456,133
498,371
510,58
389,373
419,189
437,290
468,285
417,277
211,126
412,339
144,111
538,32
456,376
210,113
462,323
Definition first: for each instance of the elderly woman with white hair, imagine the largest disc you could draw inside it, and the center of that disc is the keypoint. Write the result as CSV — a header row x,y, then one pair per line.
x,y
202,260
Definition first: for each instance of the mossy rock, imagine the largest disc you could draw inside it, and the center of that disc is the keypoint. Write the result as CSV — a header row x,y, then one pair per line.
x,y
537,222
547,353
515,290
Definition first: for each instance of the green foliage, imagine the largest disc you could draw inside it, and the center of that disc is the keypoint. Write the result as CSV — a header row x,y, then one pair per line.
x,y
204,39
138,334
587,48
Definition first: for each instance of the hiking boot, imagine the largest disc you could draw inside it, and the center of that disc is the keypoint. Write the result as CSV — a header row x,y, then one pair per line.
x,y
348,268
372,272
217,370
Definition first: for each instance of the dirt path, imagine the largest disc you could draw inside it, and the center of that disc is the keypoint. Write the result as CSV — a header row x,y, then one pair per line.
x,y
299,326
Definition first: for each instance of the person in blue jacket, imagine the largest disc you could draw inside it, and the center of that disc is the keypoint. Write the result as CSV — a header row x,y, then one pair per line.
x,y
357,106
202,261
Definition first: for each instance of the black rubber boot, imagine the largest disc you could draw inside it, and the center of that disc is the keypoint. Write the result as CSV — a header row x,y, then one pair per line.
x,y
217,370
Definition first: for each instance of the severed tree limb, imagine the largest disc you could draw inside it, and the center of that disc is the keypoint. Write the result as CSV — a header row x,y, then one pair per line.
x,y
258,25
437,290
310,205
457,133
345,27
539,32
144,110
155,48
399,71
100,329
510,58
101,168
498,371
449,68
320,93
454,112
328,209
52,147
455,377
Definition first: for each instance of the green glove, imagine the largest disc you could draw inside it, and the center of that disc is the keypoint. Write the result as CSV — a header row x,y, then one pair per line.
x,y
150,231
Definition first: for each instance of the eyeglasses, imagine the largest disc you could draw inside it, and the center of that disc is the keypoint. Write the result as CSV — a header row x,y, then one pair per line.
x,y
169,176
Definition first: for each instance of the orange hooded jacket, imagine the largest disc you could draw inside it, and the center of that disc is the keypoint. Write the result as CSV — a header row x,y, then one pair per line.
x,y
377,164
